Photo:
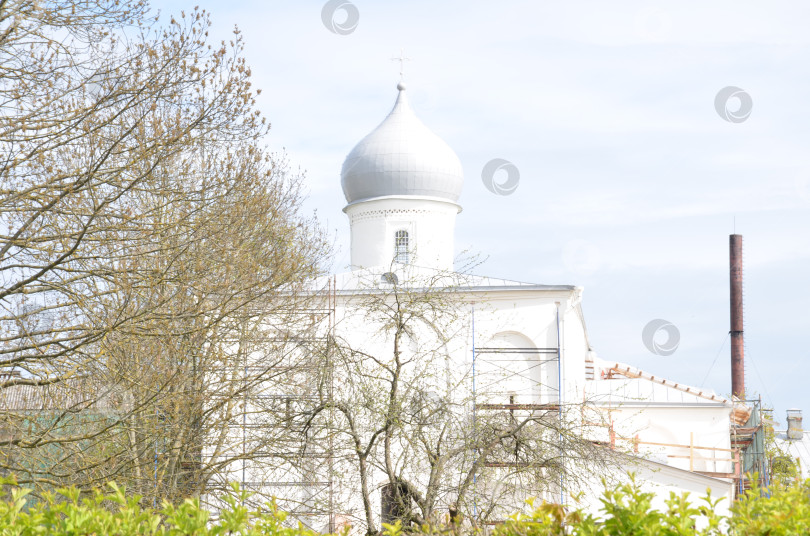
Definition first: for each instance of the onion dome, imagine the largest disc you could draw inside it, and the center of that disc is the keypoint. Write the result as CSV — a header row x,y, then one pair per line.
x,y
401,157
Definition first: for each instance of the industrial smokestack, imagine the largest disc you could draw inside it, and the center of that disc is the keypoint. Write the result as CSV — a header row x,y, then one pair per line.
x,y
736,276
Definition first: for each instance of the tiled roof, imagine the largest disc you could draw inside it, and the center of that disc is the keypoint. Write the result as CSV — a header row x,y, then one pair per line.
x,y
73,394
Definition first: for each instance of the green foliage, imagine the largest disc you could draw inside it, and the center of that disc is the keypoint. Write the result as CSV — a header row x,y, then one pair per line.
x,y
626,510
779,510
67,512
545,519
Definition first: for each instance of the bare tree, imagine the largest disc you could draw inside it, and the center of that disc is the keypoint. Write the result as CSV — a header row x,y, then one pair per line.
x,y
146,236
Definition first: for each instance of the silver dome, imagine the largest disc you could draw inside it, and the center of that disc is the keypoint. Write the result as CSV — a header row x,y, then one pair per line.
x,y
401,157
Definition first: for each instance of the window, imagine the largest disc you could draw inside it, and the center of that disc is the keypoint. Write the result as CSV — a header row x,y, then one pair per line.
x,y
401,254
389,278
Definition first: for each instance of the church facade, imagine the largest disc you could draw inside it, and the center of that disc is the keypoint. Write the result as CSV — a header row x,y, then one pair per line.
x,y
452,394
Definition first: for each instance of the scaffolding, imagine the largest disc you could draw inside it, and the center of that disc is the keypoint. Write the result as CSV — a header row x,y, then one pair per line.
x,y
748,437
298,471
530,366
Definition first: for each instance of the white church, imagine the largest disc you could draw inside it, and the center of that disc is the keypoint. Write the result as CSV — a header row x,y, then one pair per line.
x,y
481,391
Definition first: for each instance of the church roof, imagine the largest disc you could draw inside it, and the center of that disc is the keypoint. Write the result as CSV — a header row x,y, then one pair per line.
x,y
74,394
372,279
621,383
401,157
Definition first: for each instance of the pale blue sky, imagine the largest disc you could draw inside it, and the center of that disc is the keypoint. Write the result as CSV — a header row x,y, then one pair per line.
x,y
630,181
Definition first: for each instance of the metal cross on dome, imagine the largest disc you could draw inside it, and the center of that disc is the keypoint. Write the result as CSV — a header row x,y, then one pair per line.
x,y
401,59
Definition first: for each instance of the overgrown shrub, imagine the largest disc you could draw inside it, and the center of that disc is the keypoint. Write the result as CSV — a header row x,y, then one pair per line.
x,y
115,513
782,510
626,511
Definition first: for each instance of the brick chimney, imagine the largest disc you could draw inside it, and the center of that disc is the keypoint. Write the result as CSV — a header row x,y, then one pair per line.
x,y
794,424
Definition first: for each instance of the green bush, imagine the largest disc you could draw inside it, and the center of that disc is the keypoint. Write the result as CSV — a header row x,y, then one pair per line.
x,y
778,511
66,513
626,510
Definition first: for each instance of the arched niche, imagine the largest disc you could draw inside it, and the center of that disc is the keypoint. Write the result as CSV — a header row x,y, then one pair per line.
x,y
511,369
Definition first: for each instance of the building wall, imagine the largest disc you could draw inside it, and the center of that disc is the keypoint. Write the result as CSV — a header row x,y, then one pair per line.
x,y
701,434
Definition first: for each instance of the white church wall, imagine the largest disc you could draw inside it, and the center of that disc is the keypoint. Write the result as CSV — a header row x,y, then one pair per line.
x,y
575,351
505,373
515,371
513,320
690,438
534,313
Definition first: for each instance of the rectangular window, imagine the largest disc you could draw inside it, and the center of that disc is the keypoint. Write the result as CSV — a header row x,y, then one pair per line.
x,y
401,254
